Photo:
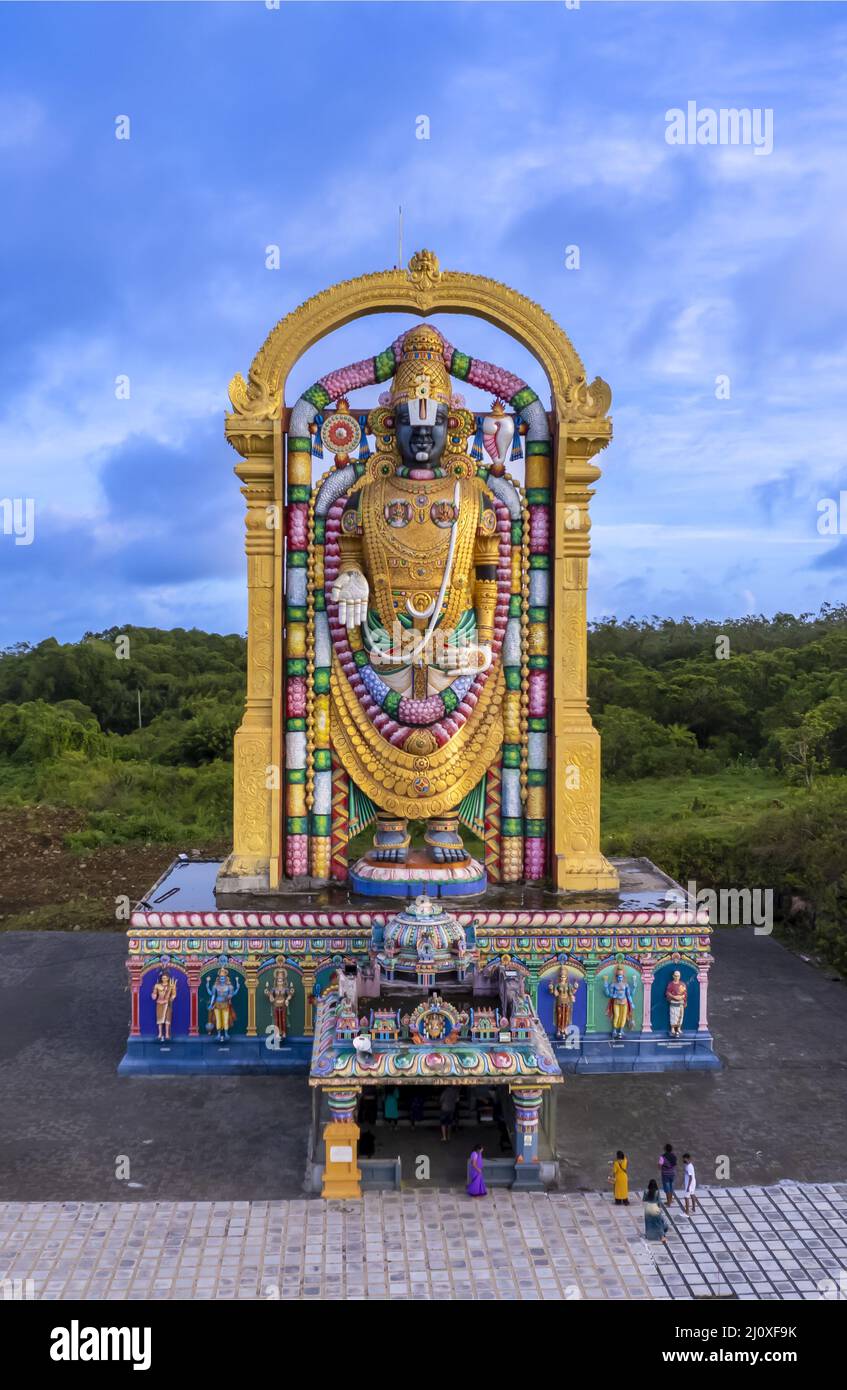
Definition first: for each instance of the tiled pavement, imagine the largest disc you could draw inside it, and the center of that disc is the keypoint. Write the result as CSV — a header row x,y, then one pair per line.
x,y
772,1243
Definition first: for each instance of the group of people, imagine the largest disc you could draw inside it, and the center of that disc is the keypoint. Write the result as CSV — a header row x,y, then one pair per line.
x,y
656,1224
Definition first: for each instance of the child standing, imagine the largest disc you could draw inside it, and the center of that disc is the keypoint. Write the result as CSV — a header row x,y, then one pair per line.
x,y
690,1183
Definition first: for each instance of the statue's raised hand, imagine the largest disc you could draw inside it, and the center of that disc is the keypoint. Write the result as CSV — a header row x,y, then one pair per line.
x,y
350,592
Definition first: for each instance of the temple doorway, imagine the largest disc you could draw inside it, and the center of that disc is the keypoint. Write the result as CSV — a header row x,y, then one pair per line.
x,y
471,1116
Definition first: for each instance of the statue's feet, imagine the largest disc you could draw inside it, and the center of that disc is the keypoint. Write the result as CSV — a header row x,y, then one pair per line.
x,y
444,841
391,841
390,855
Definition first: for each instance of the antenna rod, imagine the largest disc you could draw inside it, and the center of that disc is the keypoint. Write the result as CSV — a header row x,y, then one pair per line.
x,y
400,240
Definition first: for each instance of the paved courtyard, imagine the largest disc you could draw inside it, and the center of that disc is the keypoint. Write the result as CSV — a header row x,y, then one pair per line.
x,y
745,1243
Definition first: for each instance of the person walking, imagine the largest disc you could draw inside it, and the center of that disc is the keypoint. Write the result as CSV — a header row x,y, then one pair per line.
x,y
667,1172
367,1107
416,1107
690,1179
447,1111
656,1225
620,1179
392,1106
476,1182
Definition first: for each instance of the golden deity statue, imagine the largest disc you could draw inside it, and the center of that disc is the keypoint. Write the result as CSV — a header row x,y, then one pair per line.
x,y
416,590
417,622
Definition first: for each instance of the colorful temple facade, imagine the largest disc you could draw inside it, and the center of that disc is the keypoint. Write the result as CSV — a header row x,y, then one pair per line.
x,y
417,892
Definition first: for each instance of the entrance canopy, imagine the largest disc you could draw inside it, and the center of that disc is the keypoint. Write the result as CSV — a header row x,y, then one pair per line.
x,y
433,1039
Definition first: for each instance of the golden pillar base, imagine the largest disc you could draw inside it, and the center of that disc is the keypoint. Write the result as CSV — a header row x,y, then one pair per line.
x,y
342,1176
578,864
576,873
247,870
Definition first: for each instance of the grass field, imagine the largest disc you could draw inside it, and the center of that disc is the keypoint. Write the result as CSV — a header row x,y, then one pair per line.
x,y
654,805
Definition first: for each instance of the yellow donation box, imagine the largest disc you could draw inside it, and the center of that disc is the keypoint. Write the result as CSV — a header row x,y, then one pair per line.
x,y
342,1175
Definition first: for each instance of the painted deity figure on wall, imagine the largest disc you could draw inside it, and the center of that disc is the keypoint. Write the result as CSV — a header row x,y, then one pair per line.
x,y
620,1007
416,591
565,991
163,996
677,996
279,994
221,1012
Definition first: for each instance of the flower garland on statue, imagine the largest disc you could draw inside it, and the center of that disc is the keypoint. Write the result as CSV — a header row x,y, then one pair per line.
x,y
484,375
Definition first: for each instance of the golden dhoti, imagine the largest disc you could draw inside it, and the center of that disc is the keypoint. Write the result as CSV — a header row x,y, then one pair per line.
x,y
619,1014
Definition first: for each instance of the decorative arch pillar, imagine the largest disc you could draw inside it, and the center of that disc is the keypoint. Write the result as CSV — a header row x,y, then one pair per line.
x,y
577,863
256,762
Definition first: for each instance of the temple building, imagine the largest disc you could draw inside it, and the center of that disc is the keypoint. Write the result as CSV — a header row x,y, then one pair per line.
x,y
417,895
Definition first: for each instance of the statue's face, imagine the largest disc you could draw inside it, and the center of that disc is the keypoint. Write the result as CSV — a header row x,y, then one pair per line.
x,y
421,441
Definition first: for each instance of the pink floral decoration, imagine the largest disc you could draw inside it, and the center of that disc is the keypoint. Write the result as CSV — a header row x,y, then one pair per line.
x,y
347,379
297,855
296,697
298,525
535,855
488,377
539,530
537,694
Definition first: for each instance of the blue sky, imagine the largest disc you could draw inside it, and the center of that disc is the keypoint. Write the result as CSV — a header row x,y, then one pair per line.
x,y
296,126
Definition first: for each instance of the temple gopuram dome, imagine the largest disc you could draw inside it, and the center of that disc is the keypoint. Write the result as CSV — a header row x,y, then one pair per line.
x,y
423,936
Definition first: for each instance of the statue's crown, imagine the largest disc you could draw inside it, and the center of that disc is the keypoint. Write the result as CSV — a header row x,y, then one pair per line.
x,y
423,340
421,371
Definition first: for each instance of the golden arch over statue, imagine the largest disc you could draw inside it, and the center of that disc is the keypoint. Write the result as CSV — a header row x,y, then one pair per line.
x,y
277,803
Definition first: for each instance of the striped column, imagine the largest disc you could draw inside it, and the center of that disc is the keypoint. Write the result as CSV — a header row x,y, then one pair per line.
x,y
325,532
491,834
342,1104
527,1101
192,970
299,475
136,970
703,982
340,832
648,974
537,659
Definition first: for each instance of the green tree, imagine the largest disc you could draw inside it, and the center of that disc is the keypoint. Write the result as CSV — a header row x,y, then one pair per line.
x,y
634,745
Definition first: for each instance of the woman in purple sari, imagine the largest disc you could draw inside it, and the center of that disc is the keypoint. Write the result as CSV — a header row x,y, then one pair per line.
x,y
476,1182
